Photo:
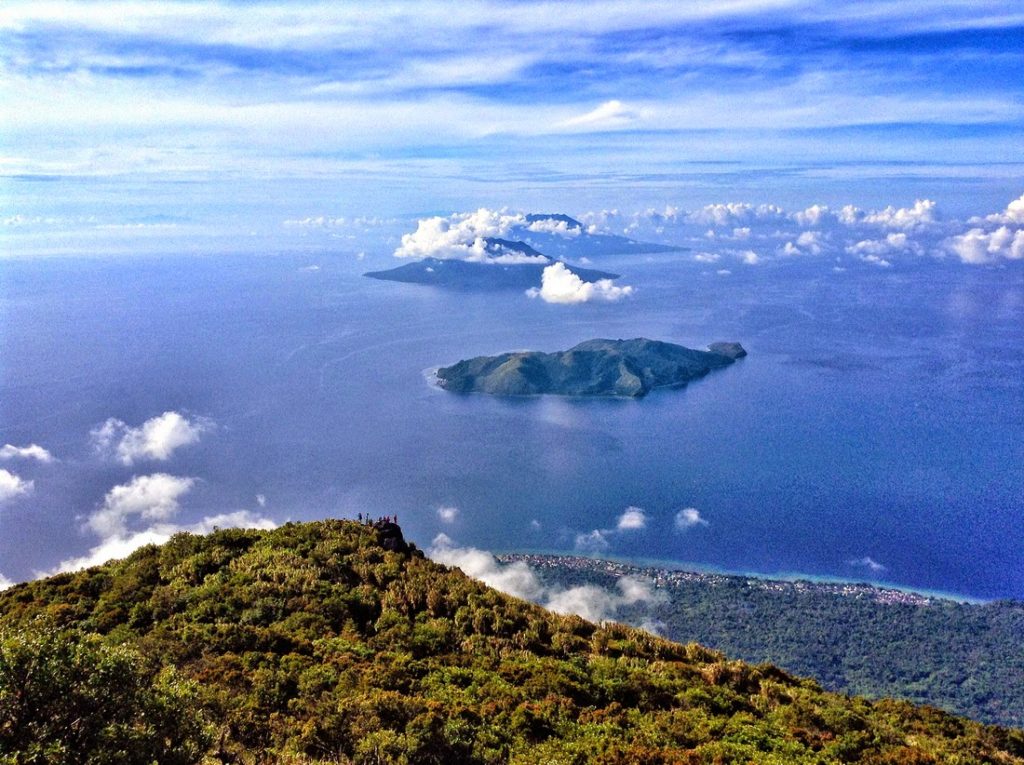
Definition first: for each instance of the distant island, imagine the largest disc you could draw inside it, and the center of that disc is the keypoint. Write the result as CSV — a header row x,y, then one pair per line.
x,y
630,368
518,260
474,275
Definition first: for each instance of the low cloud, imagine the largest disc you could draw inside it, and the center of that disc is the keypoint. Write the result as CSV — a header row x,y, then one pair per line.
x,y
447,513
156,439
756,233
5,583
593,603
689,518
632,518
123,545
149,497
869,563
31,452
979,247
592,541
470,236
560,285
13,486
141,512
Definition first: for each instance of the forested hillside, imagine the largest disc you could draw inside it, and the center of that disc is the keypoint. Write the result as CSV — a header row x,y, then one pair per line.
x,y
966,658
337,642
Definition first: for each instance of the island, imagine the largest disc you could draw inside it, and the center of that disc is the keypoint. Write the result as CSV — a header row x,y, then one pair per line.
x,y
477,275
627,368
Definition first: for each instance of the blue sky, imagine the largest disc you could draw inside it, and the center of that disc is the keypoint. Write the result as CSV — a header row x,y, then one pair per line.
x,y
339,108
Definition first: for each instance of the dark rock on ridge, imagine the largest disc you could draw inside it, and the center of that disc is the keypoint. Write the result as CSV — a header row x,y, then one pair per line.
x,y
593,368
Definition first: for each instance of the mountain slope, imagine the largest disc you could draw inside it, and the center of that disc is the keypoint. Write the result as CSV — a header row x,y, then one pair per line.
x,y
337,642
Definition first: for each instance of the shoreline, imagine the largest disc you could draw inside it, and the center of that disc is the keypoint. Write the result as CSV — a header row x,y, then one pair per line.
x,y
888,591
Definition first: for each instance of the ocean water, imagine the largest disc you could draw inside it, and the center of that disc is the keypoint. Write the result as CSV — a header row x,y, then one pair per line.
x,y
875,432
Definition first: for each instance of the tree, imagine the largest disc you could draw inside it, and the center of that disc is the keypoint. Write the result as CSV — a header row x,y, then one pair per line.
x,y
68,699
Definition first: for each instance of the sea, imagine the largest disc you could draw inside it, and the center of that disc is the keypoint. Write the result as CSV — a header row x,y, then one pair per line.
x,y
875,431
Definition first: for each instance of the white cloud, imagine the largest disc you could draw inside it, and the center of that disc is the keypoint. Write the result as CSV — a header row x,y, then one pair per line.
x,y
448,513
688,518
461,237
1014,213
593,603
596,604
552,226
156,439
609,115
13,486
869,563
592,541
5,583
261,500
979,247
560,285
922,213
732,214
155,500
632,518
150,497
515,578
31,452
123,544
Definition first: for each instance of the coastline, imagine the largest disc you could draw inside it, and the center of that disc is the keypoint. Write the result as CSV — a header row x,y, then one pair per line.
x,y
654,568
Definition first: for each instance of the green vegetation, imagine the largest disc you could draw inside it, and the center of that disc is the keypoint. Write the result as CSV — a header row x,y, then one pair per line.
x,y
335,642
66,699
968,659
593,368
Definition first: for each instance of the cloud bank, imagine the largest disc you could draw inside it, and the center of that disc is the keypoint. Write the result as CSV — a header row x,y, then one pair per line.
x,y
593,603
753,235
156,439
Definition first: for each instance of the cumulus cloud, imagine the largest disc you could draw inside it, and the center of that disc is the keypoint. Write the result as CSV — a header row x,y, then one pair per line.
x,y
156,439
460,236
560,285
869,563
594,541
921,214
632,518
689,518
31,452
122,545
141,512
448,513
5,583
150,497
756,233
593,603
978,246
472,236
13,486
557,226
1014,213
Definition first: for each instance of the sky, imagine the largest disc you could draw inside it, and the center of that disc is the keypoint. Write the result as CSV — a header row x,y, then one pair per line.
x,y
240,116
